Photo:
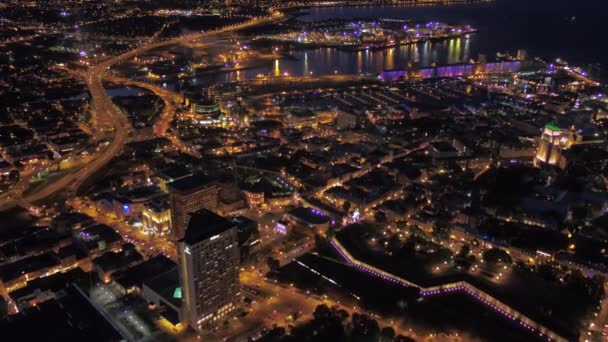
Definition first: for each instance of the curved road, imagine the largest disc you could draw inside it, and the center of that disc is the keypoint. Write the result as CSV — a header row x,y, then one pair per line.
x,y
161,126
110,120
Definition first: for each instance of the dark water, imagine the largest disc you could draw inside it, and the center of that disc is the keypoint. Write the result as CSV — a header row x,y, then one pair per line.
x,y
545,28
323,61
570,29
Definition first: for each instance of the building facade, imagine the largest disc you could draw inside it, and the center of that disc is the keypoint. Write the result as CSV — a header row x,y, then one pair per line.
x,y
209,270
189,195
552,141
156,219
555,141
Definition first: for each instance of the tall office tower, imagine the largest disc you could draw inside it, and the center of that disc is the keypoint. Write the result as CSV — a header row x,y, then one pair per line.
x,y
552,141
189,195
555,141
209,270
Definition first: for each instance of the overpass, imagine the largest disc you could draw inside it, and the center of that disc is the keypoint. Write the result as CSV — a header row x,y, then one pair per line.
x,y
108,119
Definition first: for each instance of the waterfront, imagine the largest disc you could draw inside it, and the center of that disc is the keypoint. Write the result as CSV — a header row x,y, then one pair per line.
x,y
449,202
545,28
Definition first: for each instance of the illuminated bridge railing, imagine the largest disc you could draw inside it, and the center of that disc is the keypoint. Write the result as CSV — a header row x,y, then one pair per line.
x,y
461,287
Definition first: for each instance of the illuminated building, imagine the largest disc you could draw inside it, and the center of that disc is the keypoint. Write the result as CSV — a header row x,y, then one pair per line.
x,y
209,270
456,70
16,275
204,106
308,218
254,200
46,288
300,118
157,218
231,200
189,195
204,110
325,116
282,227
551,143
129,205
555,140
272,191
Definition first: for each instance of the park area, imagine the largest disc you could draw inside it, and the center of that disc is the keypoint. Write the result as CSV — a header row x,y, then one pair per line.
x,y
548,297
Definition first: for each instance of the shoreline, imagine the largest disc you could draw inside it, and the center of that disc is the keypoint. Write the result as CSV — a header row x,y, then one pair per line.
x,y
306,46
404,3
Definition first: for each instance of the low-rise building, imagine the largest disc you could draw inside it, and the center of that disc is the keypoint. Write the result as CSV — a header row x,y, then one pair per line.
x,y
111,262
156,218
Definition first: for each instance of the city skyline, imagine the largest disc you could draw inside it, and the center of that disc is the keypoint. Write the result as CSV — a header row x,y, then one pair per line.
x,y
272,170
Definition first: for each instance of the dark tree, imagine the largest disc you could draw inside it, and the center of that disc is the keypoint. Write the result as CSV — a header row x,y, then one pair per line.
x,y
387,334
275,334
496,255
402,338
547,272
322,312
273,264
380,217
464,251
342,315
441,228
364,329
442,254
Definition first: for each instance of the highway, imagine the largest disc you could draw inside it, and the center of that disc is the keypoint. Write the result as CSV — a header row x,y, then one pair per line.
x,y
109,120
162,125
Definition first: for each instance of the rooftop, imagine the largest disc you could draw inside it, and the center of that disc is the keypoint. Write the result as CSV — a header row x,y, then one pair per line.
x,y
92,236
191,184
175,172
35,263
114,260
167,286
55,282
309,215
143,272
205,224
71,318
442,146
553,127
